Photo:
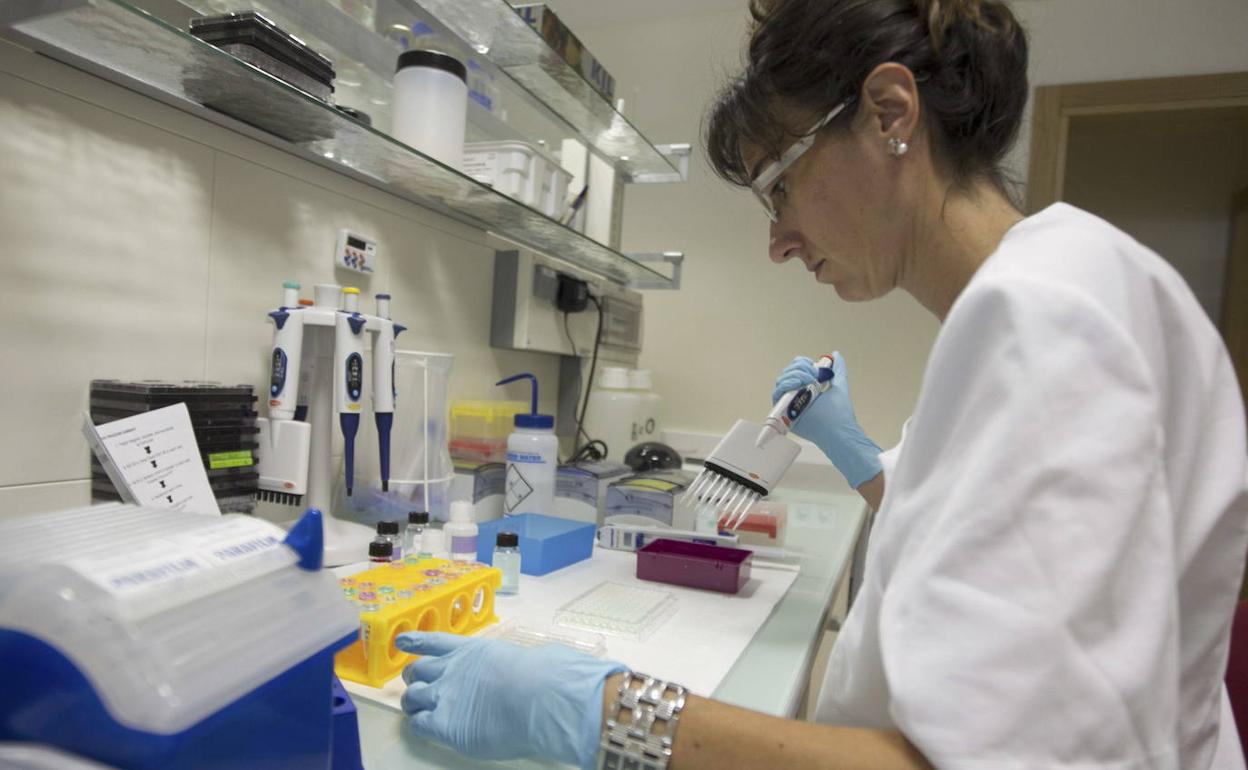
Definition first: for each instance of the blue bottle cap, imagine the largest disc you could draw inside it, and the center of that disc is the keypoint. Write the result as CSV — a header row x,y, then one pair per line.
x,y
532,420
535,421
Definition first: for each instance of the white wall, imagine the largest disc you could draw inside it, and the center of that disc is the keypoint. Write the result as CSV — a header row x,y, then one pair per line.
x,y
142,242
739,318
716,345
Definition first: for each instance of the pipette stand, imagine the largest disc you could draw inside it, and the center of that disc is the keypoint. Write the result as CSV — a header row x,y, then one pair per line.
x,y
346,542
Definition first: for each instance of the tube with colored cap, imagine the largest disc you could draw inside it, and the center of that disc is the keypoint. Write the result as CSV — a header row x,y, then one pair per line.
x,y
287,348
349,376
383,383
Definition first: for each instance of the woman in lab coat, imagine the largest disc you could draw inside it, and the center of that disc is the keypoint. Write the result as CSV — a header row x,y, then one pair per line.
x,y
1062,529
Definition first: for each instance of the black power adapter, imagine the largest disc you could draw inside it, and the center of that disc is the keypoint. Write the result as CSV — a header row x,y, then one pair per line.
x,y
572,295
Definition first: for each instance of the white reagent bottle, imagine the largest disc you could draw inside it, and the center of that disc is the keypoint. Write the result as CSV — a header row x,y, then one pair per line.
x,y
461,531
532,459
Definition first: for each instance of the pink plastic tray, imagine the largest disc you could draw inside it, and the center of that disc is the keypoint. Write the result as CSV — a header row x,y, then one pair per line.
x,y
695,565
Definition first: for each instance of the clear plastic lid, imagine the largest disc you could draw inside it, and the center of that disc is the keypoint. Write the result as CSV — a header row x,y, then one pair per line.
x,y
171,616
535,635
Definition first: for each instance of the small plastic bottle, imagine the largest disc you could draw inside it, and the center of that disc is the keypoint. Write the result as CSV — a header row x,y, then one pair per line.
x,y
416,523
433,544
389,531
462,532
507,560
381,551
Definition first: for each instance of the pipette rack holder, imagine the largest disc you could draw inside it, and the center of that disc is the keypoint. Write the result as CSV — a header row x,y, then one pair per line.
x,y
412,595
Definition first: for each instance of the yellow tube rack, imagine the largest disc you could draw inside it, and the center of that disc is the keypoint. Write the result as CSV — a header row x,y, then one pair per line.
x,y
412,595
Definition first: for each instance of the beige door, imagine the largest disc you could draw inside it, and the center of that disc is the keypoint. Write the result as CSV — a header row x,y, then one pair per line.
x,y
1235,298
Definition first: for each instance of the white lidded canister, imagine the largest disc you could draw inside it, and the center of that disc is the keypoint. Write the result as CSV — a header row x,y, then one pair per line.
x,y
462,531
532,459
431,105
612,409
646,418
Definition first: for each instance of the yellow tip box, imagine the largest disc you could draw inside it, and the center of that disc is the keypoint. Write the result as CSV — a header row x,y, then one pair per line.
x,y
412,595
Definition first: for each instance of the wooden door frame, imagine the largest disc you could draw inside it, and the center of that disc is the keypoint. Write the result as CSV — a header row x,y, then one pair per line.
x,y
1054,106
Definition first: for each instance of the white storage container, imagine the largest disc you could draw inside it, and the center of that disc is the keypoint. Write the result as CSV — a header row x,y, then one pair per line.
x,y
647,425
612,411
519,170
431,105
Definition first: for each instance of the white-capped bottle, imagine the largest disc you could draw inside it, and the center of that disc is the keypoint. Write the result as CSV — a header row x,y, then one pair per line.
x,y
532,459
612,410
462,531
647,413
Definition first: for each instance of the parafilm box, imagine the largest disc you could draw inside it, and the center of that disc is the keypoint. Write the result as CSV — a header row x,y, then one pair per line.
x,y
559,37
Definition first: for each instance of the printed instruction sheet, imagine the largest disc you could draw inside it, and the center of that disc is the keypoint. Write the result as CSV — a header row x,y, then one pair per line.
x,y
153,460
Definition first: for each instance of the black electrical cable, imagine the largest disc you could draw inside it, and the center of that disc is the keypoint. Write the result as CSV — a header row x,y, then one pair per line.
x,y
593,362
580,432
579,454
589,452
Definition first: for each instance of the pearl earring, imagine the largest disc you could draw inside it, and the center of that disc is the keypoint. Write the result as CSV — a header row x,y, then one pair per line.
x,y
897,147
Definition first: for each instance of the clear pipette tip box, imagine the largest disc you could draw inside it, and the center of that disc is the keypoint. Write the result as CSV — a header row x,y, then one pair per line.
x,y
531,635
619,609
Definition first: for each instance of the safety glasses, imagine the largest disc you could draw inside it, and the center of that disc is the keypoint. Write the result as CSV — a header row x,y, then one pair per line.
x,y
766,179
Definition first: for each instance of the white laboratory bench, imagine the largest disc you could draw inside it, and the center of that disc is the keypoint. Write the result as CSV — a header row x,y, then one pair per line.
x,y
769,676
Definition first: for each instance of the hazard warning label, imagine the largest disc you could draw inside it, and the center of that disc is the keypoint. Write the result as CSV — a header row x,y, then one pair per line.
x,y
518,489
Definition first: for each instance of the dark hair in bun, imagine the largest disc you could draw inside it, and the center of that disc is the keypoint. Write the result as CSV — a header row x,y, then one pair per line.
x,y
968,56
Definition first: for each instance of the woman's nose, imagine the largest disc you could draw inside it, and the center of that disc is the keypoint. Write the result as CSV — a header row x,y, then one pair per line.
x,y
785,243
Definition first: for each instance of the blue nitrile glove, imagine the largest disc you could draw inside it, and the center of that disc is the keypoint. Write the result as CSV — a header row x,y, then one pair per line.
x,y
494,700
830,423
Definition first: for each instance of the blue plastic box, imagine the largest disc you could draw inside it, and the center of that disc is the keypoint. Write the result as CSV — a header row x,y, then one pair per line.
x,y
547,543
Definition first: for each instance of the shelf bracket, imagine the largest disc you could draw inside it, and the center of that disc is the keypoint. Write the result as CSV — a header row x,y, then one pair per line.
x,y
678,156
16,12
674,258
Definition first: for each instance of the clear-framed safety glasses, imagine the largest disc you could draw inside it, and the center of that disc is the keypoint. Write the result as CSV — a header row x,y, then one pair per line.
x,y
766,179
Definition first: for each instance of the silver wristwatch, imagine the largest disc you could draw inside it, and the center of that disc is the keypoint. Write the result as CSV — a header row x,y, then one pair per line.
x,y
632,742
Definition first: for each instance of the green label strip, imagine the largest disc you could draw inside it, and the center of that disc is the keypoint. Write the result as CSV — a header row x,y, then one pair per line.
x,y
220,460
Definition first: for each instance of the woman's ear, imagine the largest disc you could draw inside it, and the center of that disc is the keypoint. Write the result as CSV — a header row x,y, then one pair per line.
x,y
890,102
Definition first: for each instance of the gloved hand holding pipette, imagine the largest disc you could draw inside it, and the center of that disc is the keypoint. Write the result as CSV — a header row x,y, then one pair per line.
x,y
830,422
495,700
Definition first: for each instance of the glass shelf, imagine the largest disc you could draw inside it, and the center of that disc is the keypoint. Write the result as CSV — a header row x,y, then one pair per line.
x,y
497,32
128,46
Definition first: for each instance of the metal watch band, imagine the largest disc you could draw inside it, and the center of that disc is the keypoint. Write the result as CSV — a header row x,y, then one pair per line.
x,y
630,742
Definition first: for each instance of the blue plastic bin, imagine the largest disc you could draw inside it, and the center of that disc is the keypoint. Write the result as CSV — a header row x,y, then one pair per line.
x,y
547,543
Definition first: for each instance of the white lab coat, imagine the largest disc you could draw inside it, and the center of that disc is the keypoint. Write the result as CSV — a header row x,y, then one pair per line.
x,y
1052,572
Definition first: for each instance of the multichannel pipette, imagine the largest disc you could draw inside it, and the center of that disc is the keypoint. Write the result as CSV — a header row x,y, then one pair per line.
x,y
287,349
750,460
283,440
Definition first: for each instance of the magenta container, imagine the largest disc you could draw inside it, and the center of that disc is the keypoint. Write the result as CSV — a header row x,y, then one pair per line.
x,y
696,565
